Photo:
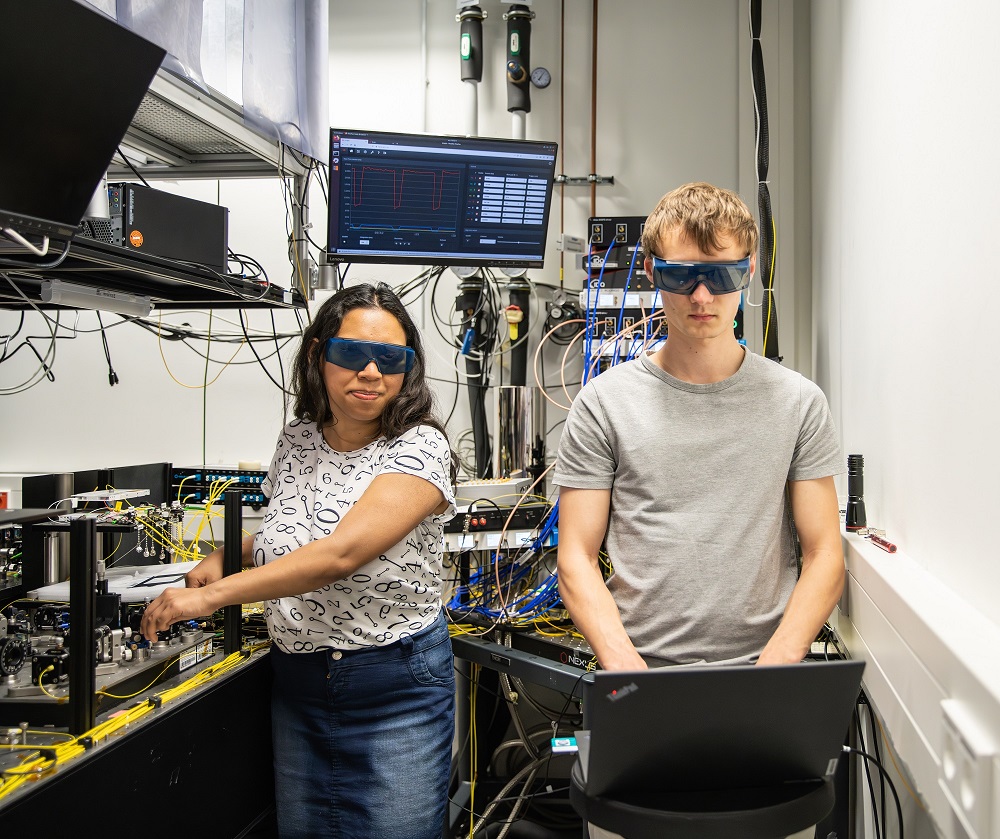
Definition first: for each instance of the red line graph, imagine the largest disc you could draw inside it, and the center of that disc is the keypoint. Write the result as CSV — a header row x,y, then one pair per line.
x,y
398,182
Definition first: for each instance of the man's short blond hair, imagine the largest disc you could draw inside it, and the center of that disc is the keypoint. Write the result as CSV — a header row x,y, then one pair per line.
x,y
705,215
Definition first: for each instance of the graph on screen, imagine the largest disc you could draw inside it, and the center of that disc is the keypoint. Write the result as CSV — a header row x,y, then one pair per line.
x,y
404,198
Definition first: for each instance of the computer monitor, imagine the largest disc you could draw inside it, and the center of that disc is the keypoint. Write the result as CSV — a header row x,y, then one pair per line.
x,y
422,199
72,82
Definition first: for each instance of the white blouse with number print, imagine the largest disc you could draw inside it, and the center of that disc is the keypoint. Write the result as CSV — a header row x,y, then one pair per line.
x,y
311,487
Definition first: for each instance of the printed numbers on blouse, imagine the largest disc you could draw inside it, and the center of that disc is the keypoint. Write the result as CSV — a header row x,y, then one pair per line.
x,y
311,487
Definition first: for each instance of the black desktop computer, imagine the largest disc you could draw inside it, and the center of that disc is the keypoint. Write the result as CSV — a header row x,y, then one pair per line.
x,y
151,221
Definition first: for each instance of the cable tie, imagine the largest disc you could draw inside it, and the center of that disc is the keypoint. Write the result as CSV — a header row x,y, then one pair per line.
x,y
155,701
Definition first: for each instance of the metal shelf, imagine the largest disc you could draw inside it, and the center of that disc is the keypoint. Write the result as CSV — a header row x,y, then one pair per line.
x,y
195,133
169,284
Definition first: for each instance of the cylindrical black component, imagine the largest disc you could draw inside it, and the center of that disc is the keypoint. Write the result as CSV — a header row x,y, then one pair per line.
x,y
471,18
13,651
519,58
520,296
232,563
478,323
82,613
856,517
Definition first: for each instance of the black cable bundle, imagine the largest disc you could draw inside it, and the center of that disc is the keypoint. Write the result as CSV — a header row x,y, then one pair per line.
x,y
765,259
478,326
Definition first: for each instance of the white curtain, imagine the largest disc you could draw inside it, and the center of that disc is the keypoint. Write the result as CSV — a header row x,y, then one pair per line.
x,y
285,71
270,56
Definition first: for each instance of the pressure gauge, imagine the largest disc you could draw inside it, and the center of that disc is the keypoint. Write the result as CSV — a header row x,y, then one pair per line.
x,y
540,77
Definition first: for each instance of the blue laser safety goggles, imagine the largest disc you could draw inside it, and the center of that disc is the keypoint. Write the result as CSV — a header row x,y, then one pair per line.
x,y
357,355
684,277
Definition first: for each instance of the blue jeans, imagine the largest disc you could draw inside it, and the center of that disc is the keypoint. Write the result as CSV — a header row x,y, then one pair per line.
x,y
363,738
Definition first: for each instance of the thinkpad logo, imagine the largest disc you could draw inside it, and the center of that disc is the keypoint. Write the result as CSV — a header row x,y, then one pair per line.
x,y
620,693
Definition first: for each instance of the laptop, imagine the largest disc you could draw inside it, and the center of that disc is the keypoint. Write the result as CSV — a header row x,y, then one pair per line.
x,y
716,727
73,80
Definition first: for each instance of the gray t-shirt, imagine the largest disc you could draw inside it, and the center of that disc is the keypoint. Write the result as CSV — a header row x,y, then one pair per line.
x,y
699,532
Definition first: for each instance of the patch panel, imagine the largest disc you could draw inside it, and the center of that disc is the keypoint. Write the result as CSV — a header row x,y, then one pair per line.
x,y
491,540
612,299
193,484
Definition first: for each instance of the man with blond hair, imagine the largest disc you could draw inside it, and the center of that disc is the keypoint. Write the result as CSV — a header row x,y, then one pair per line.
x,y
692,463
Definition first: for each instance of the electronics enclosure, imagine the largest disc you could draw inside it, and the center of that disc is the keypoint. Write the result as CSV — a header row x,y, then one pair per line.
x,y
160,223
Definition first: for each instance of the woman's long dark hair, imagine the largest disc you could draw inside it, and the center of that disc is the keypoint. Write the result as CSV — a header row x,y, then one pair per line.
x,y
413,405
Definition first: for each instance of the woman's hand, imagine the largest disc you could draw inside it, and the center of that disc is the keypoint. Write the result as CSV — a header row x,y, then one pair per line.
x,y
205,572
175,604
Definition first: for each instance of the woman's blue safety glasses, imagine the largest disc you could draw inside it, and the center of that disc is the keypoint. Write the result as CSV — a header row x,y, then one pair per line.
x,y
684,277
357,355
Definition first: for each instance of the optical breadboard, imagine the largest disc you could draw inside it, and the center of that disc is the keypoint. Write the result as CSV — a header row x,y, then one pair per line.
x,y
105,496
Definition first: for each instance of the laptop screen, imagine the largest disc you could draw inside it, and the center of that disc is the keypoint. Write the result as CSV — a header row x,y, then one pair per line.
x,y
705,728
73,80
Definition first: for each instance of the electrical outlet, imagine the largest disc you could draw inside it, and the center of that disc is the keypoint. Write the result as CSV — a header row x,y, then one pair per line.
x,y
996,793
968,753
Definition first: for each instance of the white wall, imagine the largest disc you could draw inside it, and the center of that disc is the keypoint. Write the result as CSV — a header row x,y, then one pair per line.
x,y
672,107
80,422
905,118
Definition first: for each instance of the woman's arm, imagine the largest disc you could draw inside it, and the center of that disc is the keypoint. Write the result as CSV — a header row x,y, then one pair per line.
x,y
210,568
392,506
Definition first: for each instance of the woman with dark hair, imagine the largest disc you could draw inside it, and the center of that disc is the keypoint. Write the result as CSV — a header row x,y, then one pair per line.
x,y
348,562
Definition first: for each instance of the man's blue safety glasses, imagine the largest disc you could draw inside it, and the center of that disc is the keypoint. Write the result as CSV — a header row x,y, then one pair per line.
x,y
357,355
684,277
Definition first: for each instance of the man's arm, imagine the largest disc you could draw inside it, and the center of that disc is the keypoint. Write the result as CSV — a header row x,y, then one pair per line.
x,y
583,520
821,583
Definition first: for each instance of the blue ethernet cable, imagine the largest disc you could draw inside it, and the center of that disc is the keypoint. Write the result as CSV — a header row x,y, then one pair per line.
x,y
621,309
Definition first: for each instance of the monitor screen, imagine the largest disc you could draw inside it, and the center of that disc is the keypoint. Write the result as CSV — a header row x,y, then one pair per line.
x,y
437,200
73,80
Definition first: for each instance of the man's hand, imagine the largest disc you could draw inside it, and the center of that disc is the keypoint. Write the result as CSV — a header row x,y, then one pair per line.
x,y
626,660
773,653
175,604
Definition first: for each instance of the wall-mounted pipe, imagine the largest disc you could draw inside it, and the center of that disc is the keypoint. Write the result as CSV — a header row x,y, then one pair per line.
x,y
471,57
518,19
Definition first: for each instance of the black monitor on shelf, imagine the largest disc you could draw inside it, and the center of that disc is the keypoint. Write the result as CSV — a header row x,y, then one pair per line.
x,y
72,82
422,199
